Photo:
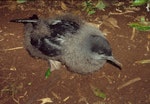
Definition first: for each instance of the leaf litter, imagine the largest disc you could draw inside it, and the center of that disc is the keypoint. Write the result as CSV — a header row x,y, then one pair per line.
x,y
143,61
97,92
45,100
110,22
129,83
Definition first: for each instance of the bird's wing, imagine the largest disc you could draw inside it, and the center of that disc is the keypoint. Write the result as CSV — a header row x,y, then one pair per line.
x,y
47,45
50,45
62,27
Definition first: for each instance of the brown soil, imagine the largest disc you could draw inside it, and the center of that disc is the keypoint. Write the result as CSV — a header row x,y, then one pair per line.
x,y
22,77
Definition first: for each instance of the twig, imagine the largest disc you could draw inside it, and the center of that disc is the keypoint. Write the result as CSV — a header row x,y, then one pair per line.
x,y
14,99
65,99
20,97
56,96
116,13
129,82
133,34
147,47
143,61
11,49
148,7
83,99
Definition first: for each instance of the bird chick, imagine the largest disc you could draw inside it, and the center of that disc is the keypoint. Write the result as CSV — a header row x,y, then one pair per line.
x,y
69,40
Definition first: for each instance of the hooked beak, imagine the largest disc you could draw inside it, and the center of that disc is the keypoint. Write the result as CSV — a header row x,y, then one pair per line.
x,y
113,61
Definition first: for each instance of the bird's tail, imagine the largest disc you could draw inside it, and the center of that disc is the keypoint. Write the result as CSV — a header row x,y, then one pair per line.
x,y
23,21
32,19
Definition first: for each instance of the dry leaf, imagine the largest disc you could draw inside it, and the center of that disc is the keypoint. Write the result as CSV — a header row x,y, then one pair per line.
x,y
113,22
110,22
45,100
42,3
118,4
106,32
104,17
83,99
13,68
63,6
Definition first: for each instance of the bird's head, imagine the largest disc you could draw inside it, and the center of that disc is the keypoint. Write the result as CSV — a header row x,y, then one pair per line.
x,y
101,50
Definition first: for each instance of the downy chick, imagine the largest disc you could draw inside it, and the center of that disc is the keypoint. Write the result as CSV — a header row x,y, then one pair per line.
x,y
69,40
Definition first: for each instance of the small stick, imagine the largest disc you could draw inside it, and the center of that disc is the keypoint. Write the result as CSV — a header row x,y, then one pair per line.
x,y
65,99
11,49
133,34
56,96
148,7
129,82
116,13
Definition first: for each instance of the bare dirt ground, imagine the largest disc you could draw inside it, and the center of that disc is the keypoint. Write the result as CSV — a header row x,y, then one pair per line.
x,y
22,77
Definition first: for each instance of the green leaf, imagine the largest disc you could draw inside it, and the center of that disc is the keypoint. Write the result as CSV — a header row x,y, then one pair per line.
x,y
142,19
48,73
84,5
139,2
97,92
100,5
140,27
89,7
21,1
91,12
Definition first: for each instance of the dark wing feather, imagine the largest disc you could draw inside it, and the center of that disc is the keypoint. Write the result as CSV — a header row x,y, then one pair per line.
x,y
63,26
51,45
47,45
32,19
